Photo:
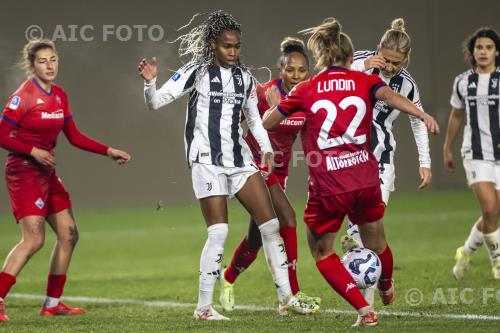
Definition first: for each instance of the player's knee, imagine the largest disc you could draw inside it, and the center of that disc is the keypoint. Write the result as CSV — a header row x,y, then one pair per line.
x,y
218,232
33,244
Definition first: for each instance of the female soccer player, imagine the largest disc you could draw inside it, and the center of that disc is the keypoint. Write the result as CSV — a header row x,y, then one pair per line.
x,y
390,62
33,118
343,171
476,95
293,66
220,88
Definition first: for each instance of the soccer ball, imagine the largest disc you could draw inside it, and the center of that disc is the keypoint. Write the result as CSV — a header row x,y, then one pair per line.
x,y
364,267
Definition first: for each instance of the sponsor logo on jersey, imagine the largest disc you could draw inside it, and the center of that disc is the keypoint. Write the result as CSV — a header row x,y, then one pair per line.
x,y
292,122
54,115
39,101
14,103
346,160
336,85
39,203
215,80
176,76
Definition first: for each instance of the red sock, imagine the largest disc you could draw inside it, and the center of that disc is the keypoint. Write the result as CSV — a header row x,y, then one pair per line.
x,y
337,276
243,257
55,285
289,235
6,282
386,262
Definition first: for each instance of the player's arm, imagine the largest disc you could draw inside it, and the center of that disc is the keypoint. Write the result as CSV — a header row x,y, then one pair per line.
x,y
454,125
84,142
362,63
178,85
403,104
289,105
422,141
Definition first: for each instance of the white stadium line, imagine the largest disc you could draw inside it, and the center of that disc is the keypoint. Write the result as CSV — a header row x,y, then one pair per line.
x,y
169,304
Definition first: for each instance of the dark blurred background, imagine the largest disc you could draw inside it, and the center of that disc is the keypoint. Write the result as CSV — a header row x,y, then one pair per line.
x,y
106,94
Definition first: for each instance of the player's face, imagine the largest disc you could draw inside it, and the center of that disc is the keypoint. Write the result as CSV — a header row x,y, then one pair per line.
x,y
45,65
485,52
295,70
227,48
394,61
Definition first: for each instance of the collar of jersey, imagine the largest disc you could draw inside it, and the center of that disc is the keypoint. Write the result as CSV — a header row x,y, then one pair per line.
x,y
337,67
39,87
283,93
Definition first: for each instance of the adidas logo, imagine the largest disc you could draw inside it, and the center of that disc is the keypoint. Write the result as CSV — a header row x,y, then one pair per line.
x,y
39,101
215,80
472,85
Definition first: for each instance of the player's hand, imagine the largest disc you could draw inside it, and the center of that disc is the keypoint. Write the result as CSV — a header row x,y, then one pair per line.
x,y
430,123
273,96
43,157
121,157
448,160
376,61
266,165
425,177
148,71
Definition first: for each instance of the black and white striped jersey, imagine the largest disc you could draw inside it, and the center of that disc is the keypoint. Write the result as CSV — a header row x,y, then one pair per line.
x,y
213,134
479,95
383,142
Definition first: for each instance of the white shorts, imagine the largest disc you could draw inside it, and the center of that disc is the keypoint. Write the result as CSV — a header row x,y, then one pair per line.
x,y
387,175
482,171
210,180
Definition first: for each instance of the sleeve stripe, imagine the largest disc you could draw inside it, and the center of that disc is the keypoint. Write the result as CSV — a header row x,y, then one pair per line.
x,y
283,112
10,121
68,118
376,87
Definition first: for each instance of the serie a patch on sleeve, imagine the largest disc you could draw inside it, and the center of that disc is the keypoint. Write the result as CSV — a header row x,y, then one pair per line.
x,y
14,103
176,76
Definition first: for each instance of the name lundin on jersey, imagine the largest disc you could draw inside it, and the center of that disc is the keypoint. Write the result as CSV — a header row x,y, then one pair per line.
x,y
336,85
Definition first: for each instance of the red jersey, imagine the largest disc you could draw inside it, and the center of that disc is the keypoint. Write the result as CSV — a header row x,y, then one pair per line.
x,y
283,135
34,117
338,106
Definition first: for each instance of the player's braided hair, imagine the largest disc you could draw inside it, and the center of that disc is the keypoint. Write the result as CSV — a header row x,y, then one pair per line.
x,y
197,42
470,43
329,44
397,39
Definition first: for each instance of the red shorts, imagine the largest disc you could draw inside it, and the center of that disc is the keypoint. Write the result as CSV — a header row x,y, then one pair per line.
x,y
326,214
278,176
35,190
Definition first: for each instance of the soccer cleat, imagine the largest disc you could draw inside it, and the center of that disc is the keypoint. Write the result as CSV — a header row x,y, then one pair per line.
x,y
301,296
348,243
387,295
226,297
496,270
208,313
462,261
369,319
60,310
3,315
298,307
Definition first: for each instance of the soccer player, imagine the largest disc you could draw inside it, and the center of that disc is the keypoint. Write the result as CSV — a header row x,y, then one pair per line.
x,y
343,172
220,88
293,66
33,118
476,96
389,62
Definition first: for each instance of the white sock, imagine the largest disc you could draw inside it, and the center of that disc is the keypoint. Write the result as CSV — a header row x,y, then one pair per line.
x,y
474,241
51,302
210,262
353,232
492,242
276,259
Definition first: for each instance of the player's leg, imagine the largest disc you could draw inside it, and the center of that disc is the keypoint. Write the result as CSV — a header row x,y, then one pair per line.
x,y
64,226
33,236
489,201
210,188
254,196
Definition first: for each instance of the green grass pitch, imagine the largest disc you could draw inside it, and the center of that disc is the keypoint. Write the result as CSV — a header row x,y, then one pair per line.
x,y
149,255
